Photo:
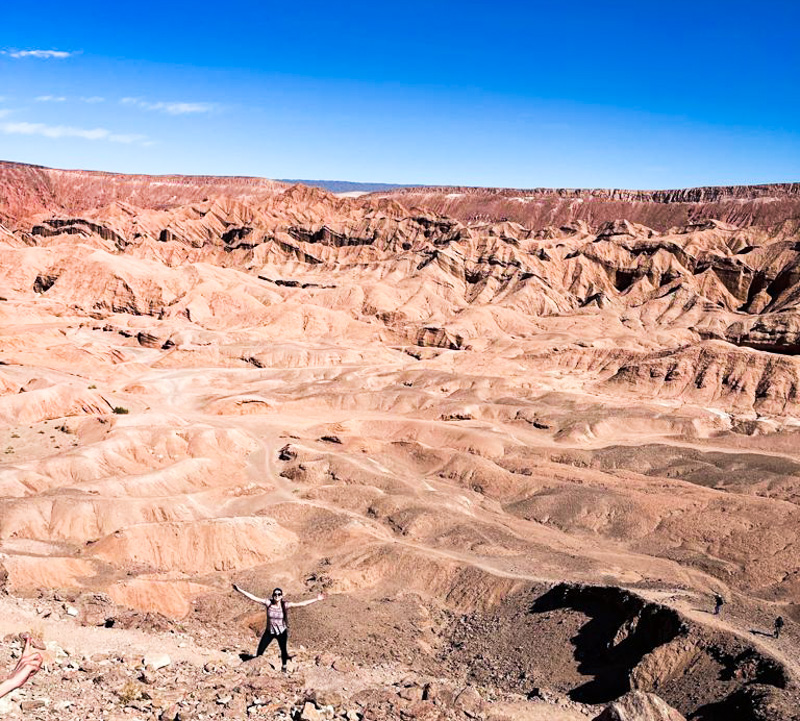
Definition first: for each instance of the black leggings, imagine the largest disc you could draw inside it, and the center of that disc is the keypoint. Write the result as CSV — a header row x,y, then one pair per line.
x,y
266,639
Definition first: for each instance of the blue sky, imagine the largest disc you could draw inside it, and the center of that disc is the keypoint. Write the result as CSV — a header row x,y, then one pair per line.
x,y
504,93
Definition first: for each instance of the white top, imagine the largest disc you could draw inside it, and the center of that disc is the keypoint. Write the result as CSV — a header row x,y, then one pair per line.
x,y
276,621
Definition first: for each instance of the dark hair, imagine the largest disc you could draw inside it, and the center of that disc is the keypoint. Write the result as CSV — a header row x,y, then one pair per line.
x,y
277,590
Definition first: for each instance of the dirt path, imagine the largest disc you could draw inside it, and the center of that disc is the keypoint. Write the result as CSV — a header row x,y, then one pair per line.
x,y
784,649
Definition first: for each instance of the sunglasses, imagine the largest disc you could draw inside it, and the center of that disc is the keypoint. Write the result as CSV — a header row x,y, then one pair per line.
x,y
277,595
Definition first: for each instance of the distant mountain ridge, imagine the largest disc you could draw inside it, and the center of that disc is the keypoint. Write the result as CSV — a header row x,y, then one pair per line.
x,y
765,205
347,186
28,190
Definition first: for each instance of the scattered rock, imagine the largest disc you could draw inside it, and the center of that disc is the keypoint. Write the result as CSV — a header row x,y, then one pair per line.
x,y
639,706
411,693
155,661
470,702
325,697
171,713
148,676
325,659
310,712
8,707
342,665
34,704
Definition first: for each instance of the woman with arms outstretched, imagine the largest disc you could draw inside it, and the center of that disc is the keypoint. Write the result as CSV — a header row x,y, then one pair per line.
x,y
277,620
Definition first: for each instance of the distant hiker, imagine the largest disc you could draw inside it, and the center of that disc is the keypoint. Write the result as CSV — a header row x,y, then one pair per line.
x,y
29,664
778,626
719,602
277,620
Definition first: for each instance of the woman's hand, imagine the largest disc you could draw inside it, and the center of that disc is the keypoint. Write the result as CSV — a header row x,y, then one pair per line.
x,y
236,588
29,664
320,597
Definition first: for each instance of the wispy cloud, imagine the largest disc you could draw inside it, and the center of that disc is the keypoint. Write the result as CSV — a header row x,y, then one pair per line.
x,y
43,54
62,99
66,131
4,112
171,108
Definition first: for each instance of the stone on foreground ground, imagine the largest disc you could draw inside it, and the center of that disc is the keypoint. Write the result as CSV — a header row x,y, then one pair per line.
x,y
639,706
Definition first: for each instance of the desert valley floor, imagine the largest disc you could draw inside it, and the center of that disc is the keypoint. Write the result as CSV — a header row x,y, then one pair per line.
x,y
520,438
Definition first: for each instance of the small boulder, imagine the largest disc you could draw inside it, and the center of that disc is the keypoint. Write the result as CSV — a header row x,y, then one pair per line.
x,y
470,702
411,693
171,713
265,684
95,615
88,666
325,660
148,676
156,661
8,707
310,712
639,706
34,704
422,711
325,697
342,665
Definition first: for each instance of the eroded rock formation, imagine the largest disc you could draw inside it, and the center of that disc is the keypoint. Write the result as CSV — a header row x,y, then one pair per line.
x,y
205,380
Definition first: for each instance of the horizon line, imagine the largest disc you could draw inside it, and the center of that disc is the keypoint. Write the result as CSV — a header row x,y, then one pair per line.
x,y
784,184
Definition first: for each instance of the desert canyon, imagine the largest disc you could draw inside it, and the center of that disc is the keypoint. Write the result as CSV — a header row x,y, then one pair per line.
x,y
520,438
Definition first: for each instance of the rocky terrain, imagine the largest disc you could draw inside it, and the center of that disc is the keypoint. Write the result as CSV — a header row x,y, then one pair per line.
x,y
520,452
766,206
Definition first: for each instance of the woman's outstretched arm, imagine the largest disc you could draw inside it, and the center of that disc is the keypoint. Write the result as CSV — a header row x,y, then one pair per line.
x,y
249,595
320,597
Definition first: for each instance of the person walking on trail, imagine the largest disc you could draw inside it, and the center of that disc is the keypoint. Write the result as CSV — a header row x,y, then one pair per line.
x,y
277,620
778,626
719,602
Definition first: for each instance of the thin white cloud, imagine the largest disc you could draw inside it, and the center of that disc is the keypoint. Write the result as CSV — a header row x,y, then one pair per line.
x,y
66,131
171,108
62,99
43,54
4,112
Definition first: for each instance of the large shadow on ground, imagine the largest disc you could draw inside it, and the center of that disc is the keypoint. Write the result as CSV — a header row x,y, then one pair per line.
x,y
622,628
